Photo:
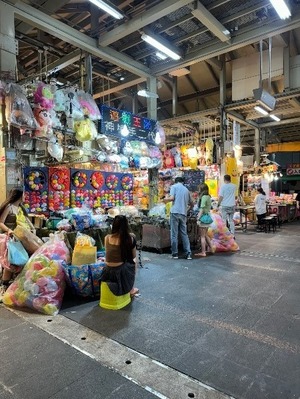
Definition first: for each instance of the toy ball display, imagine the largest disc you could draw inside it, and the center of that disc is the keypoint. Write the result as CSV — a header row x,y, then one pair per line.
x,y
79,179
112,181
36,180
97,180
127,182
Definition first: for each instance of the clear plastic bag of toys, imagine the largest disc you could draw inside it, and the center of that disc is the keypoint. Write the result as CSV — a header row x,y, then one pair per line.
x,y
88,105
17,108
41,283
221,238
72,106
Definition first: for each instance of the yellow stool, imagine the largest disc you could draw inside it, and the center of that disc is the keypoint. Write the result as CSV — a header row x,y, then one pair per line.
x,y
110,301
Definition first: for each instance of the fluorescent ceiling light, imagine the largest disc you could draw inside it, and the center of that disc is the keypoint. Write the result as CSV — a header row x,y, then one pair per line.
x,y
161,55
157,43
275,118
107,8
281,8
147,94
261,110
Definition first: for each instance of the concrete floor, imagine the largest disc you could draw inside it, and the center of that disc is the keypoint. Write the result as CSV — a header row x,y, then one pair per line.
x,y
228,324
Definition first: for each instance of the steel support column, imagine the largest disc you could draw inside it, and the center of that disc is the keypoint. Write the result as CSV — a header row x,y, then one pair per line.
x,y
223,125
151,101
256,146
174,96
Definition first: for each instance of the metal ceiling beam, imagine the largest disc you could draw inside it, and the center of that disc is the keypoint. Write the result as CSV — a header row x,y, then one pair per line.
x,y
70,35
119,88
213,25
162,9
49,7
282,122
214,48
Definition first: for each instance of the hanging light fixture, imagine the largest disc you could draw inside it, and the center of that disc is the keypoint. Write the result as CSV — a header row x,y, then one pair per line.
x,y
281,8
160,44
107,8
124,131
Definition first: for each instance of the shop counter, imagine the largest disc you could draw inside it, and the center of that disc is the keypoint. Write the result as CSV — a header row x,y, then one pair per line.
x,y
285,212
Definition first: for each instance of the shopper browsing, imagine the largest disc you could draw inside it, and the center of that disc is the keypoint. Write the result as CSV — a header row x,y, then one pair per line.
x,y
260,202
182,199
227,199
204,205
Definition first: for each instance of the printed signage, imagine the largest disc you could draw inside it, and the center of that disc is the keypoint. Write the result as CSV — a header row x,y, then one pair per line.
x,y
293,169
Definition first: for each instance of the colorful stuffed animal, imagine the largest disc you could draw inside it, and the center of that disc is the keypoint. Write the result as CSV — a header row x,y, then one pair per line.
x,y
43,96
201,154
184,155
59,101
209,147
43,117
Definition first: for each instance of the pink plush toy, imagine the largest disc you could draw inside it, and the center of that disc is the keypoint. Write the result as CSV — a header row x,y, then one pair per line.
x,y
43,117
43,96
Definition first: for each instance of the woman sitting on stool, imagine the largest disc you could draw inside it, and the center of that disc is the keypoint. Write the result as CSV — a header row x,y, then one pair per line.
x,y
260,203
120,253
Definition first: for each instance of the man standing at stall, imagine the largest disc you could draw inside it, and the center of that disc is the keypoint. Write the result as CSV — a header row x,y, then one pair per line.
x,y
181,198
227,199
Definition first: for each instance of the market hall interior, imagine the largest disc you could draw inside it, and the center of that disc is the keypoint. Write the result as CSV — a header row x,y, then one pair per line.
x,y
224,326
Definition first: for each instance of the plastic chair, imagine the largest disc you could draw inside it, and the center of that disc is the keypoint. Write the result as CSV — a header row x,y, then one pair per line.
x,y
110,301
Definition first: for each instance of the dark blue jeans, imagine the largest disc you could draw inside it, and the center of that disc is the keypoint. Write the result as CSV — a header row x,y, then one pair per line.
x,y
178,224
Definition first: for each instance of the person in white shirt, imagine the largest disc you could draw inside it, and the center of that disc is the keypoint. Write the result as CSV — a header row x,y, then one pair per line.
x,y
226,199
260,207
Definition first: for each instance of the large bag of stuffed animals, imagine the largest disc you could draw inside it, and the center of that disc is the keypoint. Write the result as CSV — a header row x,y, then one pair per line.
x,y
41,284
221,238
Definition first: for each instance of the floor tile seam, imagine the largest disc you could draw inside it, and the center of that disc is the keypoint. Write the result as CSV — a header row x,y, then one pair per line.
x,y
221,325
264,254
271,269
100,346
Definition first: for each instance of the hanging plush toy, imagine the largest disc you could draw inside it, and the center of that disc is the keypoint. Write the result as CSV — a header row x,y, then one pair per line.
x,y
177,157
88,105
169,161
209,146
201,154
59,101
231,169
184,155
43,117
43,96
85,130
55,149
17,108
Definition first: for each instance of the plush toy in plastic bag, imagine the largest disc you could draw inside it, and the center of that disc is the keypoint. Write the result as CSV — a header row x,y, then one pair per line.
x,y
161,132
40,285
177,156
104,142
85,130
59,101
43,96
88,105
55,149
144,149
127,149
72,106
43,117
136,148
17,108
209,147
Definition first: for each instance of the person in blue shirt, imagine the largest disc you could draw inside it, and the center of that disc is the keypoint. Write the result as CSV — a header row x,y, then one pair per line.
x,y
181,198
